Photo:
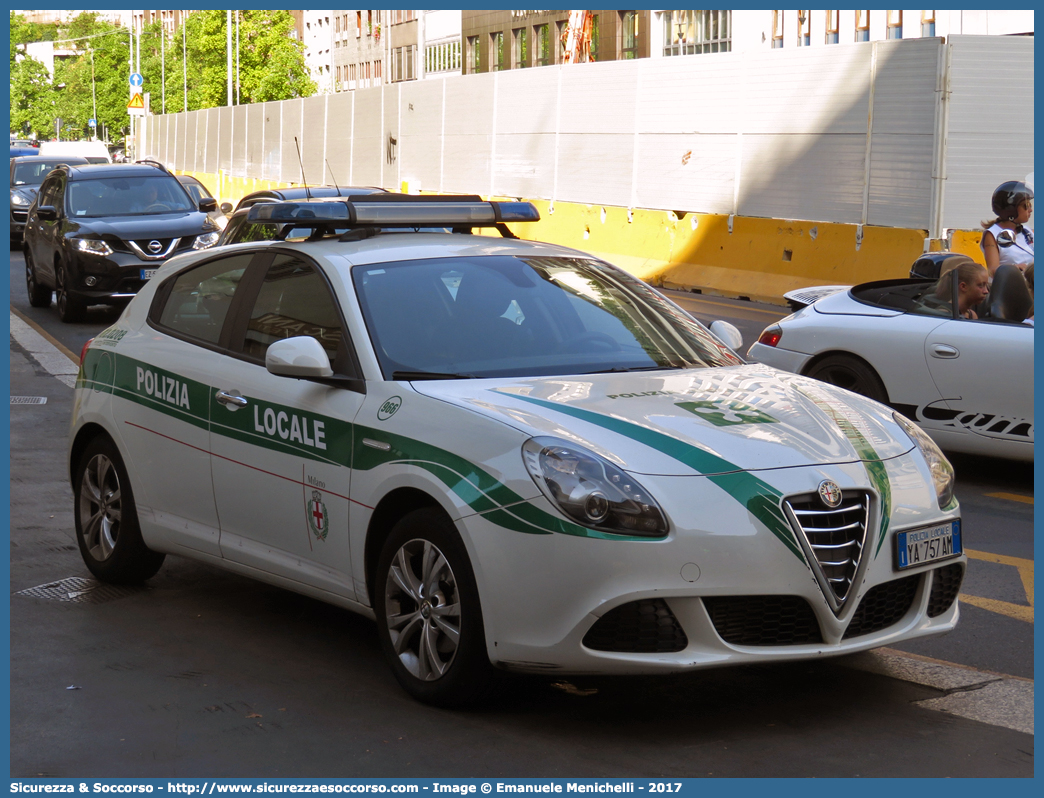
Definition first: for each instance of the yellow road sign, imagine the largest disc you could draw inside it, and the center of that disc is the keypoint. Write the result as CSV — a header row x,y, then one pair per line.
x,y
136,101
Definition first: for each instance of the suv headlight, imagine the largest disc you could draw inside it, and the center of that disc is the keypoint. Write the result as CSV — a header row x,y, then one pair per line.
x,y
20,199
938,465
591,490
92,247
206,240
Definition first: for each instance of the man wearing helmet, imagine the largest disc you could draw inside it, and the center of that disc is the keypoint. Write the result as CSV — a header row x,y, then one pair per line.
x,y
1006,239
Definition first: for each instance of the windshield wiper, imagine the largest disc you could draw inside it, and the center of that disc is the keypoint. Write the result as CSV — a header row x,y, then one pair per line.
x,y
623,369
429,375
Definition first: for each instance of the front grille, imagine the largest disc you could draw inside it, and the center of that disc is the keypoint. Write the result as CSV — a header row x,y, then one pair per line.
x,y
882,606
763,620
20,216
835,536
946,584
641,627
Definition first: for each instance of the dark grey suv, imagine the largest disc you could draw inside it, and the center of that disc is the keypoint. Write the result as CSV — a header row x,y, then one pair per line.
x,y
97,233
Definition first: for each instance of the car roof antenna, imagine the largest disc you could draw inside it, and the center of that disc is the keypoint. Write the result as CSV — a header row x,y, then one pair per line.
x,y
301,161
334,179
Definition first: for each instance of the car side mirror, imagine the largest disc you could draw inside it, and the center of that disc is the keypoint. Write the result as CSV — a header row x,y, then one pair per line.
x,y
1005,238
302,356
226,207
47,213
208,204
728,333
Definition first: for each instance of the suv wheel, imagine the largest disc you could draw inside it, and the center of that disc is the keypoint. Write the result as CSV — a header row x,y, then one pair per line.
x,y
70,308
39,295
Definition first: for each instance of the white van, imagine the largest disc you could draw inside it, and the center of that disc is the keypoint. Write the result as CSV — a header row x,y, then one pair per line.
x,y
93,151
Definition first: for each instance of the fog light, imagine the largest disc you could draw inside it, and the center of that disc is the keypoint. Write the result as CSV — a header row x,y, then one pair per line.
x,y
91,281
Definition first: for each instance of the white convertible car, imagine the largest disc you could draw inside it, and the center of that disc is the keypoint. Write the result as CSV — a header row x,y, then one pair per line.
x,y
967,382
510,454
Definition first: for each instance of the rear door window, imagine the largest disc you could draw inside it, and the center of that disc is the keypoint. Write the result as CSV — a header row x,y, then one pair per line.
x,y
197,303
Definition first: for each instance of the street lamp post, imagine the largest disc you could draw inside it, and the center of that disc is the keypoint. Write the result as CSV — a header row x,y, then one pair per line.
x,y
94,100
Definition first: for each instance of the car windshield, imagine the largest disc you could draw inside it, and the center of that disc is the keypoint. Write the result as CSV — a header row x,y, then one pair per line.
x,y
32,173
497,316
127,196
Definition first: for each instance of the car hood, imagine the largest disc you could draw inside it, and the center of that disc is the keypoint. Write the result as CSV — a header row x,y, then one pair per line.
x,y
695,421
163,225
29,192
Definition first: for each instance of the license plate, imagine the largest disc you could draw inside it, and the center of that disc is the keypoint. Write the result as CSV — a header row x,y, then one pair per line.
x,y
148,274
929,544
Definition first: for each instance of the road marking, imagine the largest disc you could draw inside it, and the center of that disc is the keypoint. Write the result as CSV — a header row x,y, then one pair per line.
x,y
55,358
1012,497
1019,612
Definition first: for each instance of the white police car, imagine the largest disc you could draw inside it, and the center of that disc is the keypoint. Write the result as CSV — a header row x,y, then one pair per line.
x,y
509,453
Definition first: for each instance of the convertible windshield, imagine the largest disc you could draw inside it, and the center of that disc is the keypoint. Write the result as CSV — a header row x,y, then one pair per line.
x,y
127,196
494,316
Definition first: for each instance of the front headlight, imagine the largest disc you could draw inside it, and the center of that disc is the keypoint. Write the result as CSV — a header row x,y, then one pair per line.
x,y
591,490
20,199
206,240
942,471
92,247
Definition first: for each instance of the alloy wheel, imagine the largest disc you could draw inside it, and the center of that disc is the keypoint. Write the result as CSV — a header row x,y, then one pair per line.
x,y
422,609
100,507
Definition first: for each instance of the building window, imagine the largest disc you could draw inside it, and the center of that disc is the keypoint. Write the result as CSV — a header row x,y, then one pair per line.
x,y
688,32
831,27
519,48
777,29
543,45
804,28
895,25
496,51
403,63
473,55
628,34
593,49
377,71
369,23
563,34
351,76
862,26
927,24
358,24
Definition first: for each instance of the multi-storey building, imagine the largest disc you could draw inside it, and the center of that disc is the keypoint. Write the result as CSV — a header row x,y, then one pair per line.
x,y
502,39
360,52
319,47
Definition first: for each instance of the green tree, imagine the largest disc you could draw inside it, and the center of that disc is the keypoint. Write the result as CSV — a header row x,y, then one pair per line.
x,y
96,76
271,63
32,98
23,31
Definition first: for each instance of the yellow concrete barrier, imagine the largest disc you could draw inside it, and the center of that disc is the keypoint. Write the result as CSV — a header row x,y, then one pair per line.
x,y
748,257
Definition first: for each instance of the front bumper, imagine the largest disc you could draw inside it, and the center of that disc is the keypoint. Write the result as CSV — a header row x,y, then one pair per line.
x,y
721,589
117,276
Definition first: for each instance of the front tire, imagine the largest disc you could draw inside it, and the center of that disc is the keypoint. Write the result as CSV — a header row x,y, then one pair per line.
x,y
107,529
39,295
71,308
851,374
429,619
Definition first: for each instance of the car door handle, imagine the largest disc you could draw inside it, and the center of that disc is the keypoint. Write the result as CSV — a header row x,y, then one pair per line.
x,y
944,351
232,398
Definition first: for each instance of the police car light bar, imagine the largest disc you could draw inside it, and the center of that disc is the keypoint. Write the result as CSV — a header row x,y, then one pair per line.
x,y
396,210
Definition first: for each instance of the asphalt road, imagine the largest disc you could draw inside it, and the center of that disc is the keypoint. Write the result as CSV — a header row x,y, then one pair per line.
x,y
207,673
